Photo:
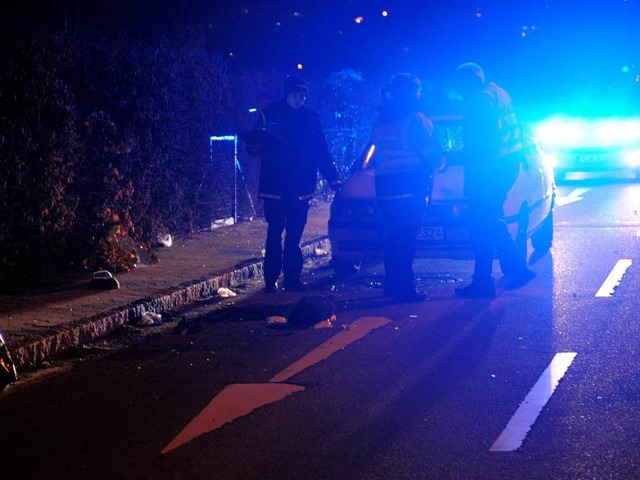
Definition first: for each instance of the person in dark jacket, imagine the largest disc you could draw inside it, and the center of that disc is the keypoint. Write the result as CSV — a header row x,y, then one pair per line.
x,y
406,156
493,151
293,150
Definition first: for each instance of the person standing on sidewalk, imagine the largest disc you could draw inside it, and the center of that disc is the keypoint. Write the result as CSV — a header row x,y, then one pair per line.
x,y
493,153
293,150
406,156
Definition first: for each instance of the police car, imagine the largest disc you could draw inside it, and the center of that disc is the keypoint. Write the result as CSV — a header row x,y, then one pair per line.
x,y
591,143
355,227
593,125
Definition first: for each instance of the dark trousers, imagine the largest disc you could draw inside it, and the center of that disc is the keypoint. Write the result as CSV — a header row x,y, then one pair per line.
x,y
402,219
290,217
489,235
487,193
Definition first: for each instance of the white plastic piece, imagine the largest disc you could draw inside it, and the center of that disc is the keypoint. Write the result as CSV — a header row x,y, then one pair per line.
x,y
150,318
165,240
225,292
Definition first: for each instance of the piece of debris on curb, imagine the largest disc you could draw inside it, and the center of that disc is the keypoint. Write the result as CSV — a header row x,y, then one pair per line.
x,y
150,318
8,373
225,292
104,280
165,240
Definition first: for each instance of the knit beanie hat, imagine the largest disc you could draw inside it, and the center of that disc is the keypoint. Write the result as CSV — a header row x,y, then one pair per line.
x,y
294,84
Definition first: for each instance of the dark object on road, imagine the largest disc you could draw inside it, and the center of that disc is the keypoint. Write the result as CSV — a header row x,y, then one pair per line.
x,y
103,280
8,372
311,310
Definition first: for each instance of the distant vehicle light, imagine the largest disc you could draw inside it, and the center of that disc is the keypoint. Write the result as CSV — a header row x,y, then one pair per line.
x,y
632,158
566,132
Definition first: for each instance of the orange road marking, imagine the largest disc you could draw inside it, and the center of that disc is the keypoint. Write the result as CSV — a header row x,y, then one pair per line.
x,y
238,400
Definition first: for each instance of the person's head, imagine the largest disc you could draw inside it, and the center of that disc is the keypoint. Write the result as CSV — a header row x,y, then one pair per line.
x,y
469,79
295,91
400,96
403,88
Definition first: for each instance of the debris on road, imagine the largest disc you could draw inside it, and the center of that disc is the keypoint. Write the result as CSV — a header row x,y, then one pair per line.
x,y
309,311
328,323
104,280
150,318
276,321
8,373
225,292
165,240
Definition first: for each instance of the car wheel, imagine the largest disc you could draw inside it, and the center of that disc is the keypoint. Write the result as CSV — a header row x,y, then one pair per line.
x,y
542,239
345,267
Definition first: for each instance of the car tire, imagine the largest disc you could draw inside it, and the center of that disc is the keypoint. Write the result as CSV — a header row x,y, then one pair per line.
x,y
345,267
542,238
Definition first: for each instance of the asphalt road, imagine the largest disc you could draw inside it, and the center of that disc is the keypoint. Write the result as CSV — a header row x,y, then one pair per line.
x,y
541,383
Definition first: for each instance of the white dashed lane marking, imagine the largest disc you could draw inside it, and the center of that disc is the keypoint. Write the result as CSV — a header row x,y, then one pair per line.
x,y
516,430
614,278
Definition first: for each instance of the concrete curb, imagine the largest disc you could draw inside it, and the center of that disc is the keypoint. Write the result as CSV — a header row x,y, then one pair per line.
x,y
61,339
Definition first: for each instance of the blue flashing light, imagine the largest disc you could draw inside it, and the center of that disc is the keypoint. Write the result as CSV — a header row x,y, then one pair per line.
x,y
632,159
567,132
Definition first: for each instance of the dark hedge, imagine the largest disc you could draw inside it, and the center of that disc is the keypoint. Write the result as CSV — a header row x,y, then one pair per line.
x,y
103,144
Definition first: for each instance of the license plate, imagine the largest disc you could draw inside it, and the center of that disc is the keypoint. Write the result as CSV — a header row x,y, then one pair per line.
x,y
592,159
432,233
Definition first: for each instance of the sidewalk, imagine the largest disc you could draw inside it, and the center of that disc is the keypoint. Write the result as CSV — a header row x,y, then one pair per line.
x,y
41,324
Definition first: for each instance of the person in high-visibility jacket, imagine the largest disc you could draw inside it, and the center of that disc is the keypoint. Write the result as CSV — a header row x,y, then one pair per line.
x,y
406,155
493,151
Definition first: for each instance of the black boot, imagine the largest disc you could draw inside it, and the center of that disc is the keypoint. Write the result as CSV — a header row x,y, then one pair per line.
x,y
270,287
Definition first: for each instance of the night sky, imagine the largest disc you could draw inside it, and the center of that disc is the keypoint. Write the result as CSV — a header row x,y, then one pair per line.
x,y
540,50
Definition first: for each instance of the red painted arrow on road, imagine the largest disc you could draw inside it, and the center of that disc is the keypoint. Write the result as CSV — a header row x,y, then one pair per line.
x,y
238,400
